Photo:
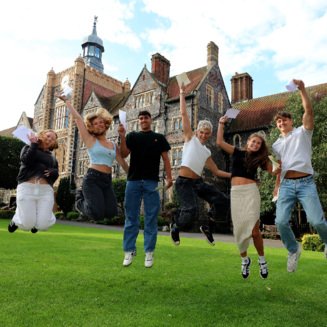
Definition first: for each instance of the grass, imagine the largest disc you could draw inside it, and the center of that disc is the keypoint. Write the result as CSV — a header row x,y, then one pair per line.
x,y
73,276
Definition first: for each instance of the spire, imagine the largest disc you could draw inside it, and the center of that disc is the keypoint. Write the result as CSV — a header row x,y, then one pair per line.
x,y
93,48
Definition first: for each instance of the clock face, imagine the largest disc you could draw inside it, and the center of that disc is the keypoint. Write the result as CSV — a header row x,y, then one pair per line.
x,y
65,81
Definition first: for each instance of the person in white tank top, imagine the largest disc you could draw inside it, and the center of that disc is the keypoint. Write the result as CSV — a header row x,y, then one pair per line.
x,y
189,185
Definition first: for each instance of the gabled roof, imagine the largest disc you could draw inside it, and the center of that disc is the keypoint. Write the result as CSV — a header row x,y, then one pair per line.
x,y
258,113
114,103
195,76
98,90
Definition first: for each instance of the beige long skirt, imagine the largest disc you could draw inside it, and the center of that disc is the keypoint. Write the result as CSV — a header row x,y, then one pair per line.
x,y
245,209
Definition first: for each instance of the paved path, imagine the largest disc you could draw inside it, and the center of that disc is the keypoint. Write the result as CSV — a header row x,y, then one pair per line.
x,y
226,238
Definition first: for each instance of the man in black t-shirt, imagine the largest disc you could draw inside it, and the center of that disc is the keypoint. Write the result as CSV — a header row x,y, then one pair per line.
x,y
145,148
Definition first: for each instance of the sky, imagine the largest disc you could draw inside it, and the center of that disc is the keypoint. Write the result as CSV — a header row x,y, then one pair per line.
x,y
272,40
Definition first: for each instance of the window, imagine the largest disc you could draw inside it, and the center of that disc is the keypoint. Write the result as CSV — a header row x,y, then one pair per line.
x,y
60,118
237,140
220,102
176,156
210,96
177,124
143,100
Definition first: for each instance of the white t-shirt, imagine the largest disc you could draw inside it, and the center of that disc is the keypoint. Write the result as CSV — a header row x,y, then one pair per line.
x,y
295,150
195,155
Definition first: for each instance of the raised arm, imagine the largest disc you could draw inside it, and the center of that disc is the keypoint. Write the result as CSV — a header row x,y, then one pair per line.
x,y
187,130
220,136
210,164
124,150
308,117
167,167
87,138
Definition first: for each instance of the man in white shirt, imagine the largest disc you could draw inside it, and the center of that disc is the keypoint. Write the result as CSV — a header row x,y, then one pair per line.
x,y
294,150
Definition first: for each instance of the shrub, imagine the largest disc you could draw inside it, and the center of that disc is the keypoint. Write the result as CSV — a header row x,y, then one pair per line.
x,y
6,214
59,215
72,215
312,242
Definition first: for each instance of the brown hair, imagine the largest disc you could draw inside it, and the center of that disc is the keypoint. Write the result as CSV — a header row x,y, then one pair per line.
x,y
100,113
259,158
282,114
41,136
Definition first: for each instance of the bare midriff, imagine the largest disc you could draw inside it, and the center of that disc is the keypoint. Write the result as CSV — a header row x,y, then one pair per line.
x,y
187,172
295,174
241,181
102,168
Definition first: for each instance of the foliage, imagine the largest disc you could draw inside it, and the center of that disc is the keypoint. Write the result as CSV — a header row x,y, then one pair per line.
x,y
59,215
312,242
9,165
72,215
119,186
65,195
319,150
6,214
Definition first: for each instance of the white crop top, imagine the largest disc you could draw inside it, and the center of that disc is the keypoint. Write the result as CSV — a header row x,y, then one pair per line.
x,y
195,155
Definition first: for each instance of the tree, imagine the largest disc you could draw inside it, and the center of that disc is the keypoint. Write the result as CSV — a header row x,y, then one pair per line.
x,y
119,185
319,150
65,195
9,165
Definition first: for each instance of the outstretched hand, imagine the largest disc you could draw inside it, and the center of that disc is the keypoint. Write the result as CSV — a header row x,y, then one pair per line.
x,y
299,83
61,95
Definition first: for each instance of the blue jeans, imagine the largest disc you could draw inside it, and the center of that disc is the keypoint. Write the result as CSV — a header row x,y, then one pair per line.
x,y
303,190
134,193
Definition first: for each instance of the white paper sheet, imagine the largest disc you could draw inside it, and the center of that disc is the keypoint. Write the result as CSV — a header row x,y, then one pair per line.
x,y
275,163
291,86
122,118
183,78
22,132
232,113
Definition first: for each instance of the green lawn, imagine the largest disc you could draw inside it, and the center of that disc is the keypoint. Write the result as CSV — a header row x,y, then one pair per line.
x,y
73,276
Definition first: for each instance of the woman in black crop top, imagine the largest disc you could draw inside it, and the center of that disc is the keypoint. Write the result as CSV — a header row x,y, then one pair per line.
x,y
37,173
245,196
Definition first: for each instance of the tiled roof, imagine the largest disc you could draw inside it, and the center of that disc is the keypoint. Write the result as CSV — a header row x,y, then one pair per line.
x,y
7,132
114,103
195,76
99,90
259,112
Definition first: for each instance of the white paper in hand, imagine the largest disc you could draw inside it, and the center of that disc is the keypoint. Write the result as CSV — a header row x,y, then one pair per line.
x,y
275,163
122,118
182,79
22,132
232,113
291,86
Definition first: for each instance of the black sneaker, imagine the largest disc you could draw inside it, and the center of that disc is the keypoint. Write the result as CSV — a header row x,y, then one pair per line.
x,y
34,230
245,269
12,227
263,269
205,230
174,234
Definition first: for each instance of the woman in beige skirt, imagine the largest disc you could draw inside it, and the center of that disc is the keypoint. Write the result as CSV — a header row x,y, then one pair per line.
x,y
245,196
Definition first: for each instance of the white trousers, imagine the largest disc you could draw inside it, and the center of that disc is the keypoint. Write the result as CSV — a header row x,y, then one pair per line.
x,y
34,206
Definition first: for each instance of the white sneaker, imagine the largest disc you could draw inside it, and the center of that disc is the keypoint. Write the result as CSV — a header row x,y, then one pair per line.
x,y
128,259
148,263
293,259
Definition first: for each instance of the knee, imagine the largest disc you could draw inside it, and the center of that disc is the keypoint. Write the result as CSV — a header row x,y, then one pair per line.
x,y
186,218
256,232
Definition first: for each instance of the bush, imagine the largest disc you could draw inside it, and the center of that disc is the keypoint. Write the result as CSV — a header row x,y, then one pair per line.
x,y
72,215
312,242
6,214
59,215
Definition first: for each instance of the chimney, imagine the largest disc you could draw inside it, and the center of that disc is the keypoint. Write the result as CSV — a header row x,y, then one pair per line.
x,y
242,88
212,54
160,68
